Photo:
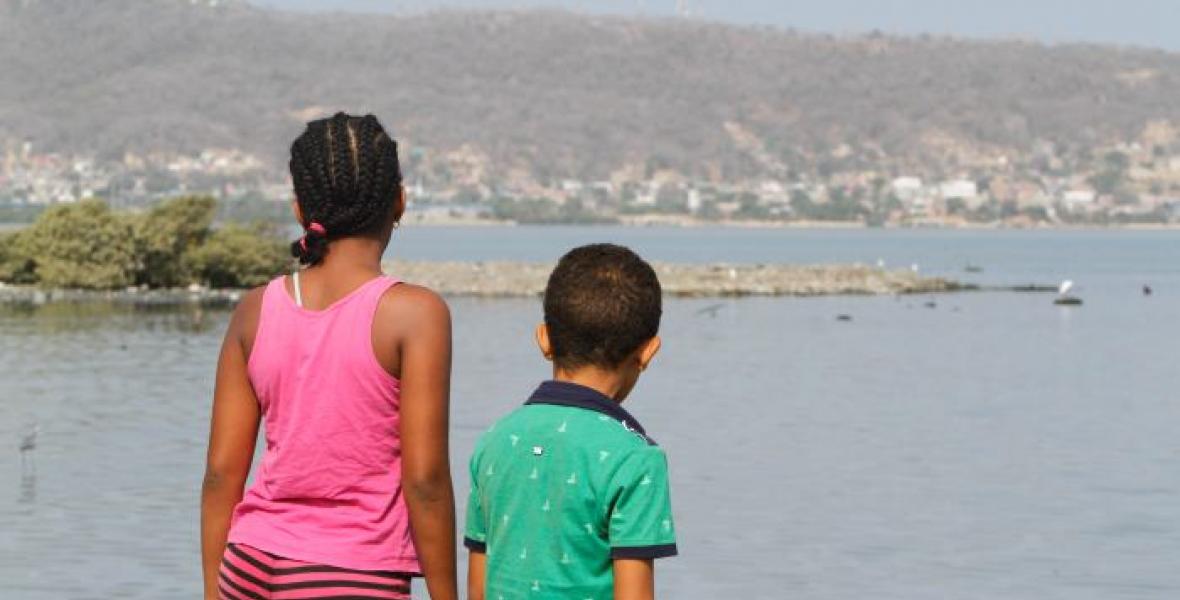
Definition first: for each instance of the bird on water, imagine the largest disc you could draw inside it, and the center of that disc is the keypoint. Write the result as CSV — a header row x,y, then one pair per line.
x,y
28,442
711,310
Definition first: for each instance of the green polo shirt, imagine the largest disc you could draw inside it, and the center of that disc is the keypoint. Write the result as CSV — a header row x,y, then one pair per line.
x,y
559,488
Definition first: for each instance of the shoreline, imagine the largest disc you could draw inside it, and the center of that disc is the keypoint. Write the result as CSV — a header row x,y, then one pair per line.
x,y
527,280
714,280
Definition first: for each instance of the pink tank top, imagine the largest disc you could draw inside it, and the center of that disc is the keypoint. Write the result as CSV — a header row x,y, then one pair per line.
x,y
328,489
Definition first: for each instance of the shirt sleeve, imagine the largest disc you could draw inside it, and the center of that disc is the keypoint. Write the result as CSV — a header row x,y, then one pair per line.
x,y
475,536
640,512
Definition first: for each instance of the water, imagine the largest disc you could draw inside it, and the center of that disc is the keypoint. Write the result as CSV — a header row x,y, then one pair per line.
x,y
995,446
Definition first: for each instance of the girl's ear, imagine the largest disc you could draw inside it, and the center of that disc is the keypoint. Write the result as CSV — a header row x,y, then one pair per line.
x,y
648,351
297,211
543,343
399,205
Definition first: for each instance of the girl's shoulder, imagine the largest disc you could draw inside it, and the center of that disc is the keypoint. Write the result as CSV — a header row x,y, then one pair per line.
x,y
407,312
407,302
410,316
244,323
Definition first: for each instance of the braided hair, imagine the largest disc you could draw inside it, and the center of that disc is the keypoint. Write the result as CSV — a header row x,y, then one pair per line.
x,y
347,179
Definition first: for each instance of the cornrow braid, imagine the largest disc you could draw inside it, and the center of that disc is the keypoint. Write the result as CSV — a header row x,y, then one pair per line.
x,y
367,171
347,176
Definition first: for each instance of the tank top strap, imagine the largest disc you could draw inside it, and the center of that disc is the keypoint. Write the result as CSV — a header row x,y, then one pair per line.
x,y
371,295
275,290
272,298
270,315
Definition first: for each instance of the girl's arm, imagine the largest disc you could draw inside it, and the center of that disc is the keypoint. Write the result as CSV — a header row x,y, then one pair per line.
x,y
426,468
232,436
635,579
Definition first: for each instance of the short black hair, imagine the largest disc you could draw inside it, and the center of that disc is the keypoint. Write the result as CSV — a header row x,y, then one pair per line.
x,y
601,304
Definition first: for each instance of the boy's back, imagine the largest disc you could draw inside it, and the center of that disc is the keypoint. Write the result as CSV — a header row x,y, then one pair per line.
x,y
561,487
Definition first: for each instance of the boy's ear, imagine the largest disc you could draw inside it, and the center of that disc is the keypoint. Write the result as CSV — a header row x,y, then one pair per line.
x,y
543,341
297,211
648,351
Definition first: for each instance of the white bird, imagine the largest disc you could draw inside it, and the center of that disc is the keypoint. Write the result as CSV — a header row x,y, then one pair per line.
x,y
1066,286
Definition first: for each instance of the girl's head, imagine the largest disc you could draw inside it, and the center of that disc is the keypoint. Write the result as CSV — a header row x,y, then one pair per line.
x,y
348,183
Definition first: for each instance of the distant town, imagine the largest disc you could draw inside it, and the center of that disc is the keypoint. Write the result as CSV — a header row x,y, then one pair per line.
x,y
1128,183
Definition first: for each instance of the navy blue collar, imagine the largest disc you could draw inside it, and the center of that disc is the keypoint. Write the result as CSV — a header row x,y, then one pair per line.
x,y
564,393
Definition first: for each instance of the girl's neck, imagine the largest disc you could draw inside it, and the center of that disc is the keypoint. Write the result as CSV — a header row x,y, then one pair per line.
x,y
353,256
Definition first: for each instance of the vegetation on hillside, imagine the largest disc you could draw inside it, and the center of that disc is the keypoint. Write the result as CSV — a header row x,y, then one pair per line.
x,y
89,246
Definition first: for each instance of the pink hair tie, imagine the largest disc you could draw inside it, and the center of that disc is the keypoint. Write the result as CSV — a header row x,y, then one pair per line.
x,y
316,228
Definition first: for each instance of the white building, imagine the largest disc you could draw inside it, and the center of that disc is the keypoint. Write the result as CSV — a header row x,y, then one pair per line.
x,y
694,200
906,188
773,192
1078,198
964,189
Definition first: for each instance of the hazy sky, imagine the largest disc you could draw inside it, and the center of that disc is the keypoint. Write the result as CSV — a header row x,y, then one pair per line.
x,y
1136,22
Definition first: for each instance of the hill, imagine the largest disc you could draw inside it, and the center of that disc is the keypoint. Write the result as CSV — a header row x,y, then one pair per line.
x,y
560,95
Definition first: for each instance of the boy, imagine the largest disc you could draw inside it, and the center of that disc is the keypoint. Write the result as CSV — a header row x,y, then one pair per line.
x,y
569,497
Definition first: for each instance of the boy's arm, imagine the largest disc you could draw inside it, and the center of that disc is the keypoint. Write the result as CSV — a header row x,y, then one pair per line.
x,y
640,521
477,566
233,432
635,579
426,469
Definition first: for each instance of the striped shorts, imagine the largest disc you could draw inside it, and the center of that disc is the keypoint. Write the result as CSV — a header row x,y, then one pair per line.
x,y
251,574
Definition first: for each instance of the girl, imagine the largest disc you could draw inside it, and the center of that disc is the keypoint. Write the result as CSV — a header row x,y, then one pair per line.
x,y
351,372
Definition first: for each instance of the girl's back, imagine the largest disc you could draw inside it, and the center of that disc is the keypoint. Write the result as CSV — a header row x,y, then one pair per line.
x,y
329,486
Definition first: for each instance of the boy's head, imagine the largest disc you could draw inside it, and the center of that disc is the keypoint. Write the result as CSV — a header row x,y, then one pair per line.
x,y
602,311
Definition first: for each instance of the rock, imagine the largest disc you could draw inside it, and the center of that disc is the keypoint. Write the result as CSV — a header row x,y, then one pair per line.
x,y
498,279
521,280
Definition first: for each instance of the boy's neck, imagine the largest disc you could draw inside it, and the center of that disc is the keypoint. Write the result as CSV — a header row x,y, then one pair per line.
x,y
611,384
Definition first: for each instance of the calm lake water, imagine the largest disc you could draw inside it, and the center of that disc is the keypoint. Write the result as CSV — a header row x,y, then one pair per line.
x,y
993,446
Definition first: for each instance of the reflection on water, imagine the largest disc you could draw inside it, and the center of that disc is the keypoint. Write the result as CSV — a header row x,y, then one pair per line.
x,y
52,318
28,481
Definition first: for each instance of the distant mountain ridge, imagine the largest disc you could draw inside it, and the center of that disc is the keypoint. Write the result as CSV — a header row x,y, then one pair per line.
x,y
559,95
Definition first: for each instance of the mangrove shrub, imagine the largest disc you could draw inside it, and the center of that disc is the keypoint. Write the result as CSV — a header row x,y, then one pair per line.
x,y
86,245
165,237
82,245
238,256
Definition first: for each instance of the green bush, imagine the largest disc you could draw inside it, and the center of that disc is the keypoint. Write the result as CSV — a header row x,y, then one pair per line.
x,y
15,264
238,256
86,245
82,245
166,234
